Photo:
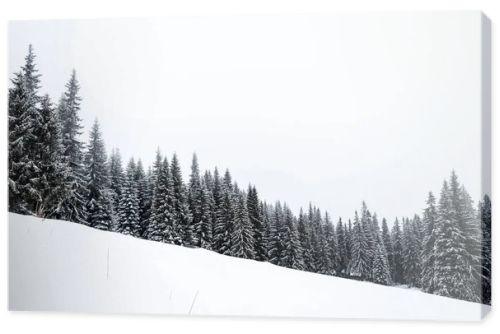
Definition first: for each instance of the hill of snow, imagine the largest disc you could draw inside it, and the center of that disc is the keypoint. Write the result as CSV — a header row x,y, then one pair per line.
x,y
61,266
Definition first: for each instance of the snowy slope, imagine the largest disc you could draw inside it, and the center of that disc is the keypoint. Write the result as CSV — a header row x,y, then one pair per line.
x,y
61,266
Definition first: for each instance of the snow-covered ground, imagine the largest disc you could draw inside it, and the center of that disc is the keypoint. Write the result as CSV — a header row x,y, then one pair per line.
x,y
61,266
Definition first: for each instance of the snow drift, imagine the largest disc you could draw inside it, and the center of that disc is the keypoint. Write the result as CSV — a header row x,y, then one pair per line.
x,y
61,266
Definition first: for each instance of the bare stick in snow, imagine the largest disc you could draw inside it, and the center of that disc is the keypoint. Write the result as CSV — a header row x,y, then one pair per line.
x,y
194,300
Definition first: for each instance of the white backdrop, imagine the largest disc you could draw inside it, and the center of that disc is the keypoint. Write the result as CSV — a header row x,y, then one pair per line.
x,y
55,323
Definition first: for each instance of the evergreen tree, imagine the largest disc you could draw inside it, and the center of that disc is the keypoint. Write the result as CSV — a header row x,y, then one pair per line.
x,y
386,240
254,214
129,204
74,207
225,214
196,205
397,248
381,272
205,228
332,256
368,231
303,230
291,254
455,264
117,177
160,224
274,234
242,239
144,194
48,179
98,201
24,117
411,253
181,217
430,235
485,219
343,259
360,265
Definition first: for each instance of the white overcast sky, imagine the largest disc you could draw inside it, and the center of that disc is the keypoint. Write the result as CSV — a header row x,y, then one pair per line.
x,y
328,109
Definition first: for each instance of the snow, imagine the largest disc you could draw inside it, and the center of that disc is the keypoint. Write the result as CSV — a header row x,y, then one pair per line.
x,y
61,266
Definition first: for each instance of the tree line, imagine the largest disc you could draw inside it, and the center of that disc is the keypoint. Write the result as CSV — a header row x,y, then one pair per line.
x,y
54,174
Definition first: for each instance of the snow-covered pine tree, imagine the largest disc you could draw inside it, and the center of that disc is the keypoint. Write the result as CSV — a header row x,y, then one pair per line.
x,y
129,204
343,260
430,233
485,218
472,232
206,226
291,254
303,230
117,177
74,206
348,239
49,179
380,271
266,212
254,214
145,195
397,248
368,229
181,217
331,247
386,240
195,202
274,240
23,121
454,269
318,264
411,253
455,273
98,201
360,265
160,225
242,238
223,195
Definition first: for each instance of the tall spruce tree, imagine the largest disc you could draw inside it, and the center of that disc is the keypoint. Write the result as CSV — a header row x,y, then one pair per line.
x,y
368,231
117,177
196,204
343,259
144,194
430,218
274,239
129,204
303,230
254,214
411,253
160,224
242,237
360,265
49,178
225,214
181,217
455,265
98,201
397,248
331,247
291,254
485,218
386,240
74,207
24,117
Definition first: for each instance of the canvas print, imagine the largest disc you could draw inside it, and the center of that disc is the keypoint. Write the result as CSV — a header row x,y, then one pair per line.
x,y
275,166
